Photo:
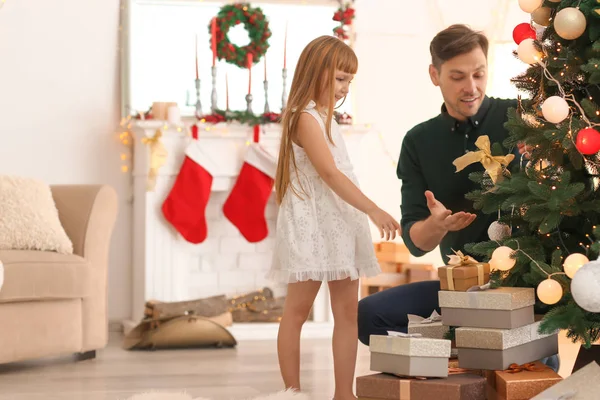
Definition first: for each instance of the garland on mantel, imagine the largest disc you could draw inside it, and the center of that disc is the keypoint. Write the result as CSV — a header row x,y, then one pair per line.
x,y
246,118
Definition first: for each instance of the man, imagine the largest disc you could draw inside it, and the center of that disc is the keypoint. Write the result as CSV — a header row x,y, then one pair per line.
x,y
434,209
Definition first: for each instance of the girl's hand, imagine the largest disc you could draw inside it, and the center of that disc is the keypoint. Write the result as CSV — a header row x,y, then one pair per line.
x,y
386,224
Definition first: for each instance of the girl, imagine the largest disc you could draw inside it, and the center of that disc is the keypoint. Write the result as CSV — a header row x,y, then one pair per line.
x,y
322,227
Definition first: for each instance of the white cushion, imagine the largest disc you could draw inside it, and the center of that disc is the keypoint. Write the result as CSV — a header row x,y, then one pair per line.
x,y
29,218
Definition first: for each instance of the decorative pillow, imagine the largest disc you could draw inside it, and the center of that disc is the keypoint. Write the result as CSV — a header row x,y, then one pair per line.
x,y
29,218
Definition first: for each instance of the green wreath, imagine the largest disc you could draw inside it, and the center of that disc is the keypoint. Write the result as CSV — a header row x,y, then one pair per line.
x,y
258,30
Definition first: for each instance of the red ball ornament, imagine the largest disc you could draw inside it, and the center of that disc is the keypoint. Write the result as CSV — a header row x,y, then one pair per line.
x,y
523,31
588,141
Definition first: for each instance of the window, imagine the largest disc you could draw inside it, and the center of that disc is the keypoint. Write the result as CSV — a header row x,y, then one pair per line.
x,y
504,66
162,56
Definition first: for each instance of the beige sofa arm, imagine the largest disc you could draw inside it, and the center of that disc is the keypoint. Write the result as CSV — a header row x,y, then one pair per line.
x,y
88,214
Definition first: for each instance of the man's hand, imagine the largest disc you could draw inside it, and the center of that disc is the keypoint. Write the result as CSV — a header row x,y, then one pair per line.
x,y
444,219
525,149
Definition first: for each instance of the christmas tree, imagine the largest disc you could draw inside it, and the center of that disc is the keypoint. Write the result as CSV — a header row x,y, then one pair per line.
x,y
548,200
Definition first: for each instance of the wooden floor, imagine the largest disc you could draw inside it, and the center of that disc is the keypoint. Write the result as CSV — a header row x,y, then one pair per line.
x,y
227,374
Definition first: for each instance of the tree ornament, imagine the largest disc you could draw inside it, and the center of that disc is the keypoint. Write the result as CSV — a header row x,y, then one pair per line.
x,y
534,167
569,23
555,109
530,6
549,291
588,141
573,263
502,259
584,287
498,231
592,168
255,23
523,31
531,120
528,52
542,16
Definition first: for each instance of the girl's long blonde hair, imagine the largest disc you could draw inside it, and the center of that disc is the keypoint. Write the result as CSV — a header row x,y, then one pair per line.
x,y
315,72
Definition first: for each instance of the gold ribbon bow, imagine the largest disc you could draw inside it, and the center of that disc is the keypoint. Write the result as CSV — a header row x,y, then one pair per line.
x,y
516,368
458,259
158,157
492,164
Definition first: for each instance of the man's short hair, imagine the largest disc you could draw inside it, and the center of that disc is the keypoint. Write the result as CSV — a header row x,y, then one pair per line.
x,y
455,40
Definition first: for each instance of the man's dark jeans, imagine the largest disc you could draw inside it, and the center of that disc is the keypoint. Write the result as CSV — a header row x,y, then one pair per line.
x,y
388,310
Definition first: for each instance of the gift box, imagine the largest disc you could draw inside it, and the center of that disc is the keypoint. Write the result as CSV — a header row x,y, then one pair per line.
x,y
464,275
454,368
502,308
497,349
389,387
406,355
430,327
520,382
582,385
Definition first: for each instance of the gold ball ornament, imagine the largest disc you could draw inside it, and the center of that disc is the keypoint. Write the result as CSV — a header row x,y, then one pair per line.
x,y
573,262
528,52
542,16
530,6
569,23
502,259
549,291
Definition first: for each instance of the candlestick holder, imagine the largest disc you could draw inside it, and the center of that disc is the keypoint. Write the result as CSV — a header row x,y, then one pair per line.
x,y
198,104
266,86
249,103
284,94
213,96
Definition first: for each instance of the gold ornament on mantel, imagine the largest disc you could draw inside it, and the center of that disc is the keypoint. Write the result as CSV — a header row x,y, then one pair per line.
x,y
158,157
494,165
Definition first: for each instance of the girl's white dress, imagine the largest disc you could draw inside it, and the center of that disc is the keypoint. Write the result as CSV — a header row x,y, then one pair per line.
x,y
320,237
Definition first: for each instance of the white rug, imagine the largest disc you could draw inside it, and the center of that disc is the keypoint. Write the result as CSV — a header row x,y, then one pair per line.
x,y
287,395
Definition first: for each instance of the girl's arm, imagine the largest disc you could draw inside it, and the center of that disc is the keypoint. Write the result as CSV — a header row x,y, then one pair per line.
x,y
311,138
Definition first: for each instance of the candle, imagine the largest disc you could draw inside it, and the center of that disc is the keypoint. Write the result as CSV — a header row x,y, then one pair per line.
x,y
226,91
213,29
285,47
196,56
249,73
265,66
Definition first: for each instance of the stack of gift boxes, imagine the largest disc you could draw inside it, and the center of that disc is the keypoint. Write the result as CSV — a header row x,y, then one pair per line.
x,y
496,338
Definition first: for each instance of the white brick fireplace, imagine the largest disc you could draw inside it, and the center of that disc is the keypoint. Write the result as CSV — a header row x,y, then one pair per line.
x,y
167,268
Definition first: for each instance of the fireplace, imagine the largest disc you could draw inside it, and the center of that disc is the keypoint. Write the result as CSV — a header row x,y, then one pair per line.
x,y
167,268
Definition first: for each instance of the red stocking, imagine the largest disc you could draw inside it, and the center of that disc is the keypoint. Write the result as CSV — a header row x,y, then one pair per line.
x,y
185,205
245,206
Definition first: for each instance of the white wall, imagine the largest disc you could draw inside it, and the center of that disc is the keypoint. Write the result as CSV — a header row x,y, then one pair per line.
x,y
59,109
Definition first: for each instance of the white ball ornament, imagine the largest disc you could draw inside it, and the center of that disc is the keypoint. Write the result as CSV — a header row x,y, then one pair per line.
x,y
549,291
530,6
573,262
569,23
498,231
585,287
501,259
555,109
528,52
